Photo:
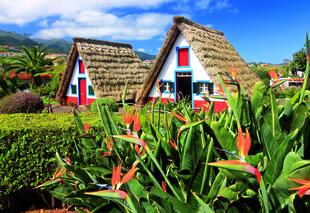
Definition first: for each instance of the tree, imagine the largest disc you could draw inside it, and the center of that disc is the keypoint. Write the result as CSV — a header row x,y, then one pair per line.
x,y
33,62
299,61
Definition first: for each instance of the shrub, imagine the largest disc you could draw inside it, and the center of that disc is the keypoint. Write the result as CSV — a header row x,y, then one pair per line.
x,y
28,143
112,105
286,93
21,102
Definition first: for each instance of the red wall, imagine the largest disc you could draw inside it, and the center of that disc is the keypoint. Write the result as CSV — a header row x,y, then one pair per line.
x,y
76,100
219,106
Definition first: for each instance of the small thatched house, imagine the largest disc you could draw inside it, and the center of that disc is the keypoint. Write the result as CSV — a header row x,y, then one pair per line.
x,y
189,63
100,69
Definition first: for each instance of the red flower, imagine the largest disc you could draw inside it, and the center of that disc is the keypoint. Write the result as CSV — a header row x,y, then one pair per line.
x,y
127,119
106,154
233,72
137,149
240,166
109,145
273,75
243,143
116,175
86,126
173,144
179,117
220,89
163,186
130,174
136,124
302,190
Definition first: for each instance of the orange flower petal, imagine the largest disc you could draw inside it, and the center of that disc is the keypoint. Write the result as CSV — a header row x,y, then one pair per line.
x,y
116,175
173,144
179,117
303,189
243,144
163,186
136,125
109,144
86,127
130,174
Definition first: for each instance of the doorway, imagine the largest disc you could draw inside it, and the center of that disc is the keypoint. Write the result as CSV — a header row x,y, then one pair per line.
x,y
82,91
184,86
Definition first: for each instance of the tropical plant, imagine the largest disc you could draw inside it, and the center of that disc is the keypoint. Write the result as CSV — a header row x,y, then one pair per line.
x,y
33,62
8,83
194,162
99,102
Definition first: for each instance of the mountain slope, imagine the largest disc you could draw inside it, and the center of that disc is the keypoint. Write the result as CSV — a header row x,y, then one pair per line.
x,y
58,45
144,56
14,39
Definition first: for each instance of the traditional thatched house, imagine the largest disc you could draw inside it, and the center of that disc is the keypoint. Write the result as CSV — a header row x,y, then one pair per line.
x,y
189,63
100,69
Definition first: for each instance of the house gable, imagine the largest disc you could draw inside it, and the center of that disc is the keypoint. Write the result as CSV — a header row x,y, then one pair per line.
x,y
75,87
171,68
214,53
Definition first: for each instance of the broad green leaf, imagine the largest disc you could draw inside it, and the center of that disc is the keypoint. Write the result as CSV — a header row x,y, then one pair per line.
x,y
224,137
109,194
258,93
137,189
177,205
203,207
300,116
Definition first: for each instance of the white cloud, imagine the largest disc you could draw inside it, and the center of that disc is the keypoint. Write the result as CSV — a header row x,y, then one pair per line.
x,y
99,24
25,11
211,5
141,49
43,23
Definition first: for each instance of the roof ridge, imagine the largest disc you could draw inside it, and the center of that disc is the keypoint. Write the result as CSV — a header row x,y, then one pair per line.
x,y
181,19
101,42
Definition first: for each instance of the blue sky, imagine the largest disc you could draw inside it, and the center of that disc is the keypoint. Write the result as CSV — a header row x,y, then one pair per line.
x,y
260,30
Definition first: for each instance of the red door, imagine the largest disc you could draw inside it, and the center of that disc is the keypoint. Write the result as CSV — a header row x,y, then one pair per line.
x,y
82,91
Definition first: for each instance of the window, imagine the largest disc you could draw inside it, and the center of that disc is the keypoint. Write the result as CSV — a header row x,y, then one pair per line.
x,y
183,57
81,67
91,90
203,88
166,87
73,89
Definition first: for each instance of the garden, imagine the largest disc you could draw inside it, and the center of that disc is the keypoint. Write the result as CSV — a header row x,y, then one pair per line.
x,y
252,157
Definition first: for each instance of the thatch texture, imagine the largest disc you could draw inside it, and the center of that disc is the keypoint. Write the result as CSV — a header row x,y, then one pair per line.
x,y
212,49
109,65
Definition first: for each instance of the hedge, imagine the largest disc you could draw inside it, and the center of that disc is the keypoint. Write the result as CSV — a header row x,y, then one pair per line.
x,y
28,143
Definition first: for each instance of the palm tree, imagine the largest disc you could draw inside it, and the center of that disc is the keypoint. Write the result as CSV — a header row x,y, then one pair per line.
x,y
33,62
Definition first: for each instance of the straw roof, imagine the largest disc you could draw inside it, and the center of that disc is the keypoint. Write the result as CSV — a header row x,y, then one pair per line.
x,y
211,48
109,65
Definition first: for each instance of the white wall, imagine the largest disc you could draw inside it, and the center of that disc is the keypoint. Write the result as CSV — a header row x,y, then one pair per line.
x,y
74,80
170,68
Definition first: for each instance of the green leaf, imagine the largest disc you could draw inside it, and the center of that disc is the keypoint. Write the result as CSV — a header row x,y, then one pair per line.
x,y
109,194
177,205
137,189
203,207
257,97
300,116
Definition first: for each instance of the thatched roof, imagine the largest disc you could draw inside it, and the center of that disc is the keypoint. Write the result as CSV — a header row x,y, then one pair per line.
x,y
212,49
109,65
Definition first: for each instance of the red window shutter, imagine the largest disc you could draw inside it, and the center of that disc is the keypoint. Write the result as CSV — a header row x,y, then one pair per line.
x,y
183,57
81,66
